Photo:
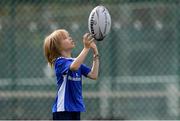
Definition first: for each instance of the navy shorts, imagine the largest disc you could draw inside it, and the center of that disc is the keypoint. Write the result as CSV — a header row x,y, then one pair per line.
x,y
65,115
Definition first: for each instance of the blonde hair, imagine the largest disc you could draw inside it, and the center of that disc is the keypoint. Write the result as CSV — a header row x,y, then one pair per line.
x,y
52,48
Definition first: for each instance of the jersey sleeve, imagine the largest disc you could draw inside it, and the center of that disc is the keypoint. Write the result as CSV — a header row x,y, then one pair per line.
x,y
62,65
85,70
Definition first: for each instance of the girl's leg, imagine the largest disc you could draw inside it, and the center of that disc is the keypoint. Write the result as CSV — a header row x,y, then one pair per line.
x,y
62,116
66,115
76,115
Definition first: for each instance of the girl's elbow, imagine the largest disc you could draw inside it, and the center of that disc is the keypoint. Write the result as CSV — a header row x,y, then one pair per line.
x,y
94,77
74,68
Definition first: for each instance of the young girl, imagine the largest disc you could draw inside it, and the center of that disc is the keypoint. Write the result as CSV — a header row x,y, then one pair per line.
x,y
57,48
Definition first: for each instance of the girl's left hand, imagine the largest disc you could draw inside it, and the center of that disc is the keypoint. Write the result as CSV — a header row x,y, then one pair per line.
x,y
94,47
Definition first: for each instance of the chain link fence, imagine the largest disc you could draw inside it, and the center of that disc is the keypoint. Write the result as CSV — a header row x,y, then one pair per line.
x,y
139,70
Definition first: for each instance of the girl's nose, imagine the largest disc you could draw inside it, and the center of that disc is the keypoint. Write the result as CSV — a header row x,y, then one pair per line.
x,y
70,38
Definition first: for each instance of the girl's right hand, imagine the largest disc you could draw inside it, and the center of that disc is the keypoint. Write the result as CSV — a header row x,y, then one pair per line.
x,y
94,48
87,40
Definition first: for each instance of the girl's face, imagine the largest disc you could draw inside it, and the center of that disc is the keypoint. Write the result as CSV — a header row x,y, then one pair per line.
x,y
67,43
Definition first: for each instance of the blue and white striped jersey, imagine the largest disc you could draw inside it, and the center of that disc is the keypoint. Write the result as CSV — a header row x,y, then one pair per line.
x,y
69,93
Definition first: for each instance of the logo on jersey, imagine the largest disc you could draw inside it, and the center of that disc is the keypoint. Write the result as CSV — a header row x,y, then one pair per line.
x,y
76,78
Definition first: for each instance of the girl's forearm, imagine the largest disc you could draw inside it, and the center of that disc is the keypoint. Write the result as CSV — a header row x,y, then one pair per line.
x,y
95,66
95,69
79,60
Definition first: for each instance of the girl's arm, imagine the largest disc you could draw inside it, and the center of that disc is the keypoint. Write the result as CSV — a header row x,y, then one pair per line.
x,y
87,40
93,74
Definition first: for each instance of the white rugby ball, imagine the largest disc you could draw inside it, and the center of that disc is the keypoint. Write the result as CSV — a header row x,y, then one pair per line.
x,y
99,22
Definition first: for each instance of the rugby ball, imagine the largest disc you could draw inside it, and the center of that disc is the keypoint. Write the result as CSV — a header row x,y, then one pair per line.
x,y
99,22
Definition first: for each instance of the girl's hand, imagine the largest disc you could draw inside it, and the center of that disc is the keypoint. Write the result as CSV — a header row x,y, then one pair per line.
x,y
88,40
94,48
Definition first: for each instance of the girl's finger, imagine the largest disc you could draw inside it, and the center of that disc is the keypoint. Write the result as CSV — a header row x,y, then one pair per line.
x,y
86,35
90,37
92,40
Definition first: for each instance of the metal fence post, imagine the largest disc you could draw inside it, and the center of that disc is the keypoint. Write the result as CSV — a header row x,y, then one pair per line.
x,y
13,59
